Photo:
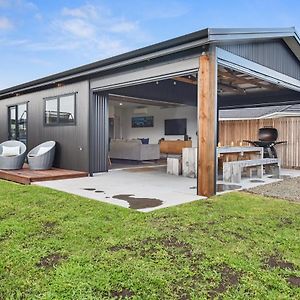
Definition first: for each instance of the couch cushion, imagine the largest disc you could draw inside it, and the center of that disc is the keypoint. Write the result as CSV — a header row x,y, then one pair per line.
x,y
145,141
136,141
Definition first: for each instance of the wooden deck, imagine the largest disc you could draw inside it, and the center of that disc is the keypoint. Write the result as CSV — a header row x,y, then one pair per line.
x,y
27,176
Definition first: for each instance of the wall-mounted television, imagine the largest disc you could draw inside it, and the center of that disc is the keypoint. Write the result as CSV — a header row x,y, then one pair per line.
x,y
175,127
141,122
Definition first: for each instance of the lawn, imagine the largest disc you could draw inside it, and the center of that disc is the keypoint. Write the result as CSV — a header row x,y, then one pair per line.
x,y
59,246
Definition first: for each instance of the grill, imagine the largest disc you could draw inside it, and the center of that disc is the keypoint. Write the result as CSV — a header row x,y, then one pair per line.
x,y
267,138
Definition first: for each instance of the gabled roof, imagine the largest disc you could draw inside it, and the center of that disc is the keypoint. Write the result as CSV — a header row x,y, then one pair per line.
x,y
260,113
188,41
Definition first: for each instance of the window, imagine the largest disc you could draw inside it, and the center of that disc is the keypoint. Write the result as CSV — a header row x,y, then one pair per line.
x,y
67,109
51,111
60,110
17,122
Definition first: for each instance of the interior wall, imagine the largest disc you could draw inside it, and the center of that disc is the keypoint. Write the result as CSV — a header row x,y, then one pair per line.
x,y
125,114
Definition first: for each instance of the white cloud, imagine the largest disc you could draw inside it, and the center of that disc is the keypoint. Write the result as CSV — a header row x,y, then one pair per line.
x,y
108,46
13,42
4,3
27,5
38,16
123,26
88,33
167,11
98,18
52,45
93,29
40,62
5,23
19,4
78,28
86,12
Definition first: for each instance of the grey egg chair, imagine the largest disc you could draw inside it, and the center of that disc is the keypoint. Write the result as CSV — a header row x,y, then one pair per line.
x,y
14,162
42,160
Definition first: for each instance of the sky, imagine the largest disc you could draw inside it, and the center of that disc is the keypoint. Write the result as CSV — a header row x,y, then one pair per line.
x,y
39,38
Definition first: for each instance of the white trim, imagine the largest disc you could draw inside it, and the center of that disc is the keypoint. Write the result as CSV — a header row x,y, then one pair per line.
x,y
268,116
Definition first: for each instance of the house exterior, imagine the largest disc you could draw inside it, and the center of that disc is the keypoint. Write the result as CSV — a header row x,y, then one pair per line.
x,y
210,69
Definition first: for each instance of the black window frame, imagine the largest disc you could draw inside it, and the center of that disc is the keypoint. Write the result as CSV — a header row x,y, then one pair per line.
x,y
17,123
58,123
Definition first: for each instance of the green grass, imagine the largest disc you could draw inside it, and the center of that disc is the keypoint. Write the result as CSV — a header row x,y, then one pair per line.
x,y
59,246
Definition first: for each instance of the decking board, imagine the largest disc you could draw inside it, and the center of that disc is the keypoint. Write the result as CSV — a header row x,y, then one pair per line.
x,y
27,176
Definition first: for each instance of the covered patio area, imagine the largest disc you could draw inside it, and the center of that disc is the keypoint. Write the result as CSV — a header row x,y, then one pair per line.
x,y
237,69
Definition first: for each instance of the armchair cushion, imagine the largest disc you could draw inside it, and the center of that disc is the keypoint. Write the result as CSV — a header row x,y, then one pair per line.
x,y
43,150
10,151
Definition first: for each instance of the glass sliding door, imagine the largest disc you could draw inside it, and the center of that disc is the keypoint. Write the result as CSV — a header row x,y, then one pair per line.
x,y
12,123
17,122
22,123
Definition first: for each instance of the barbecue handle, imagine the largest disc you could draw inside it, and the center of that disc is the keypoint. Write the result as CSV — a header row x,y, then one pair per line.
x,y
283,142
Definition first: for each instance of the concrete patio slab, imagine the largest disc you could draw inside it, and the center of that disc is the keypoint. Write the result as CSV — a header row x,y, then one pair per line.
x,y
145,186
148,188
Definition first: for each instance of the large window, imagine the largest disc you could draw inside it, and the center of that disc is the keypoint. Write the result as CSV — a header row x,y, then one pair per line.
x,y
60,110
17,119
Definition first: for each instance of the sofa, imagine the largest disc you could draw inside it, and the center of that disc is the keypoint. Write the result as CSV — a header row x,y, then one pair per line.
x,y
133,150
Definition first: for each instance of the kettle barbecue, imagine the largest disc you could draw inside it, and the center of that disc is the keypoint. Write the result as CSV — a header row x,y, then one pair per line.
x,y
267,138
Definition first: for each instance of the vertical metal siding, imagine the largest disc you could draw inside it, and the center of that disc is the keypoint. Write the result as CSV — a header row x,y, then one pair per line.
x,y
272,54
72,151
100,133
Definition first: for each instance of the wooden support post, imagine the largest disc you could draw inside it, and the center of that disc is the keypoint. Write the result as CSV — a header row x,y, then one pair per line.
x,y
207,124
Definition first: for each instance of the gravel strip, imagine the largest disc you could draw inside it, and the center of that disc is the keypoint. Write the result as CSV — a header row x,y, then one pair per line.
x,y
288,189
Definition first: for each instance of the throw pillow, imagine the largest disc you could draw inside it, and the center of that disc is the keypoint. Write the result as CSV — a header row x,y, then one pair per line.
x,y
43,150
10,151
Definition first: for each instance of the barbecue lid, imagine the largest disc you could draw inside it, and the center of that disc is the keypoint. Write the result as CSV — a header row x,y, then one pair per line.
x,y
267,134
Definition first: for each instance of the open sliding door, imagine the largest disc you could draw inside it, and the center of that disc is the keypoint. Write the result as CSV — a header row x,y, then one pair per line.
x,y
17,122
99,133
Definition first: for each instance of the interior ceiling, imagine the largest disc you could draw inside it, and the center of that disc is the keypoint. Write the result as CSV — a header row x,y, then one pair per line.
x,y
235,89
232,82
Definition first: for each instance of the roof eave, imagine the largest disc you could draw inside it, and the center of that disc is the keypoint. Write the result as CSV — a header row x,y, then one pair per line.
x,y
181,43
225,35
202,37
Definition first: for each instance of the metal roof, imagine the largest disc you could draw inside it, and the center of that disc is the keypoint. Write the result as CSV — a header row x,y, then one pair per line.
x,y
260,112
188,41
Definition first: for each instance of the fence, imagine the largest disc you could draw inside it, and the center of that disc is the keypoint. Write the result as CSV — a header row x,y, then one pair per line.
x,y
234,132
